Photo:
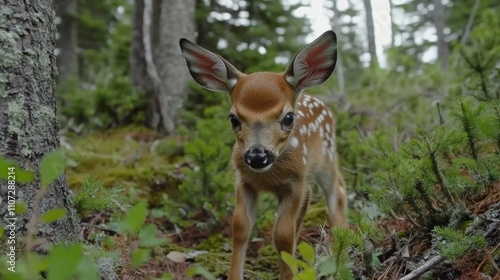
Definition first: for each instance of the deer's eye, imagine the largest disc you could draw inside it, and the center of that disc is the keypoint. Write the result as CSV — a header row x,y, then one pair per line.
x,y
235,123
287,121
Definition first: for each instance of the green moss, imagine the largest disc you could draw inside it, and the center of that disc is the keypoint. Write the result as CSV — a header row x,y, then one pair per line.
x,y
316,215
122,157
214,243
215,263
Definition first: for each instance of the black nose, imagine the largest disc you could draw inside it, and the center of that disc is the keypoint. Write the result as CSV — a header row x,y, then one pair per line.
x,y
258,157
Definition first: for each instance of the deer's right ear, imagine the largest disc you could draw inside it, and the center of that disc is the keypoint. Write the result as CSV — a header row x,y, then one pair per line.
x,y
208,69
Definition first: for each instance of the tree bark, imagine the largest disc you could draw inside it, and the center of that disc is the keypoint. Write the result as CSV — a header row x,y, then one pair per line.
x,y
440,24
138,72
393,24
155,58
67,43
370,32
176,21
28,123
141,79
340,65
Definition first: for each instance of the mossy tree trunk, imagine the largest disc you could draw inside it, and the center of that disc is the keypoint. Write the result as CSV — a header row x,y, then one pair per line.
x,y
28,123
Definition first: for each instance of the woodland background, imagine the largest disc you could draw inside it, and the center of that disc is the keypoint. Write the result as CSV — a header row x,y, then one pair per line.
x,y
147,151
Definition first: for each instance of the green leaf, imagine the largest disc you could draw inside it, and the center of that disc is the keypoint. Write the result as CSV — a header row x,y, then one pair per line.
x,y
136,217
52,167
199,270
2,231
21,176
63,261
327,267
309,273
147,237
290,261
54,215
140,256
87,269
21,207
307,252
134,220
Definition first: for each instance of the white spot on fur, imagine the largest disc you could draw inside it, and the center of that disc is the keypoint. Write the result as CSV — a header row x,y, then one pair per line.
x,y
294,142
304,149
303,129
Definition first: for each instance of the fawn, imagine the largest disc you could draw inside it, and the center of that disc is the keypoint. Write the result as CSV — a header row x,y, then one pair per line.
x,y
284,139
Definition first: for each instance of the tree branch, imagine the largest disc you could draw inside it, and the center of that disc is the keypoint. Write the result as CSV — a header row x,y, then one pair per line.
x,y
423,268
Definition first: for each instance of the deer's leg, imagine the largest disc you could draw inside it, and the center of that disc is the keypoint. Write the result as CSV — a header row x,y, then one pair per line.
x,y
302,212
285,228
243,221
333,185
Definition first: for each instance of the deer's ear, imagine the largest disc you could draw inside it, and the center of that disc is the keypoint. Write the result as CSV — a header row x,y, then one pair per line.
x,y
208,69
314,64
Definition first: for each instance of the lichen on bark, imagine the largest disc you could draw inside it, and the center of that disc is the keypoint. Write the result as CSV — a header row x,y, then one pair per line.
x,y
28,123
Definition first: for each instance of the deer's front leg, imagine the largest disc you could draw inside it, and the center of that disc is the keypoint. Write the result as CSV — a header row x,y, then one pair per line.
x,y
243,221
285,229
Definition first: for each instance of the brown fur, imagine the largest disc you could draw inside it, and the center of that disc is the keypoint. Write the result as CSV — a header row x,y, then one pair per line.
x,y
264,97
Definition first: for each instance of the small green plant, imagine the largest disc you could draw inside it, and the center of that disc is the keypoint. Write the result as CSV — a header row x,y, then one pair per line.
x,y
430,177
332,263
94,197
63,261
76,260
302,269
207,188
455,244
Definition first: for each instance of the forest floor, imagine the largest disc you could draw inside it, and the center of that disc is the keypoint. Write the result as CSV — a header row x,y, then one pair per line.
x,y
127,158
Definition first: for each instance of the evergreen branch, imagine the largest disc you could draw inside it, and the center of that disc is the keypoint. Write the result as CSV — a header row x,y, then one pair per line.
x,y
480,70
468,129
416,208
425,197
437,172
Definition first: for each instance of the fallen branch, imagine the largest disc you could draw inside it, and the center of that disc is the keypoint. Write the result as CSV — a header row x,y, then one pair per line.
x,y
425,267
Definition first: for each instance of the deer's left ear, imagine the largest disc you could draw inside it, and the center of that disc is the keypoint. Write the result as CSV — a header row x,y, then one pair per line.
x,y
314,64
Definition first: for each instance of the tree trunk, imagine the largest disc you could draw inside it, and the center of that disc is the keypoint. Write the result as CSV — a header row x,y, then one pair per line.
x,y
440,24
176,21
393,24
28,123
370,32
67,60
156,56
339,68
138,71
141,79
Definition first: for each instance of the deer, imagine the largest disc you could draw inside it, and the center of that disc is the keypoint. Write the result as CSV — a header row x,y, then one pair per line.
x,y
285,140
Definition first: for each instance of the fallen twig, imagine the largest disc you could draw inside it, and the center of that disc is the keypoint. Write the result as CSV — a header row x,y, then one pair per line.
x,y
423,268
492,261
486,258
